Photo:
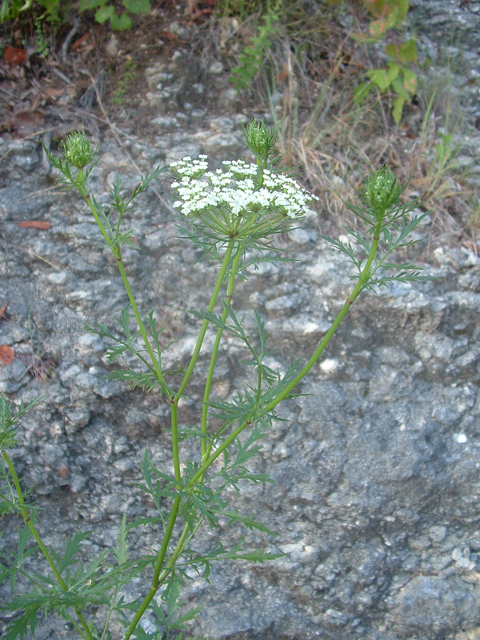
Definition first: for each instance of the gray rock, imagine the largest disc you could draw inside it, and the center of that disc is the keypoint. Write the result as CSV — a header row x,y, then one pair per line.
x,y
434,603
13,376
182,150
283,302
221,145
165,122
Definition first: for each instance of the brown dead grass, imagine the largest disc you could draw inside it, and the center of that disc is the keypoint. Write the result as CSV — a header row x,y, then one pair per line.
x,y
305,87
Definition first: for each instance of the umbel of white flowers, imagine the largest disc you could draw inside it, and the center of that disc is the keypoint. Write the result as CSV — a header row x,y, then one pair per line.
x,y
241,188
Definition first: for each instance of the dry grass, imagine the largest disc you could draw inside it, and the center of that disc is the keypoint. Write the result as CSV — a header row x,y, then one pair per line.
x,y
306,87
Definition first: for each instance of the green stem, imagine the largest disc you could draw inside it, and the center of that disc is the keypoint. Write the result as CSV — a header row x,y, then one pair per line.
x,y
164,574
203,330
175,447
156,573
216,346
363,278
177,551
141,326
118,257
267,225
259,384
25,515
74,623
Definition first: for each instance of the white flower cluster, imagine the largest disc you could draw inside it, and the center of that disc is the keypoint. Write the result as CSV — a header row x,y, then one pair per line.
x,y
236,189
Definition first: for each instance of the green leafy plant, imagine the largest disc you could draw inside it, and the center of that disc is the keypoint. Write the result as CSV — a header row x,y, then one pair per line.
x,y
387,14
253,56
240,8
397,78
128,76
11,9
233,216
106,11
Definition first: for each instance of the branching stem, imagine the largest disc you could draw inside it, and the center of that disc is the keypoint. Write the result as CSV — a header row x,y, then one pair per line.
x,y
361,283
116,250
204,327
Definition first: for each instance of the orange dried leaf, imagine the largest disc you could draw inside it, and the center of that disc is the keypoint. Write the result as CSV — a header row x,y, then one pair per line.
x,y
13,56
6,354
3,311
34,224
81,41
169,35
285,72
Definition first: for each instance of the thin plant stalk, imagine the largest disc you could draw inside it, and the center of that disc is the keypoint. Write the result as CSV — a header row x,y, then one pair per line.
x,y
216,346
116,250
204,327
24,513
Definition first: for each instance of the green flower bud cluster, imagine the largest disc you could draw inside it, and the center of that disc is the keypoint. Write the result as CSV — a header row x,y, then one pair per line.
x,y
77,149
260,139
381,190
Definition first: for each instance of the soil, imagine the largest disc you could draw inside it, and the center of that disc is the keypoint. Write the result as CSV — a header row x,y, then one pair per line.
x,y
87,70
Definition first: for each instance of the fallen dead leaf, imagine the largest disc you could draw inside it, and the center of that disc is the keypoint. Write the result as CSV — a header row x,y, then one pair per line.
x,y
3,311
34,224
26,122
6,354
14,57
81,41
169,35
52,93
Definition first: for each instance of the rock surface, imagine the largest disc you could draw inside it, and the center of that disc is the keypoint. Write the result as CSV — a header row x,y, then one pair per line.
x,y
376,501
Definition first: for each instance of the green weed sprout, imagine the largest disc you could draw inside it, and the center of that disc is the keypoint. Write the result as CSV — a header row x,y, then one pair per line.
x,y
232,214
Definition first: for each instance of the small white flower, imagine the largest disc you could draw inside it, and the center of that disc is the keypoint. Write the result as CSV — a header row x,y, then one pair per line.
x,y
236,189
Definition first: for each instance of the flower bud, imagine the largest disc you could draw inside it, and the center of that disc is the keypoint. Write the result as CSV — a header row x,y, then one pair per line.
x,y
381,190
77,149
259,138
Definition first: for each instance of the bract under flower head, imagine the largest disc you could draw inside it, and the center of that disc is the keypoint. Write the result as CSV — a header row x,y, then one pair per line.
x,y
237,190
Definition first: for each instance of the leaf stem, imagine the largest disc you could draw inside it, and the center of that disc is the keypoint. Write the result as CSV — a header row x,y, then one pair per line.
x,y
175,446
162,576
141,326
115,249
156,573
